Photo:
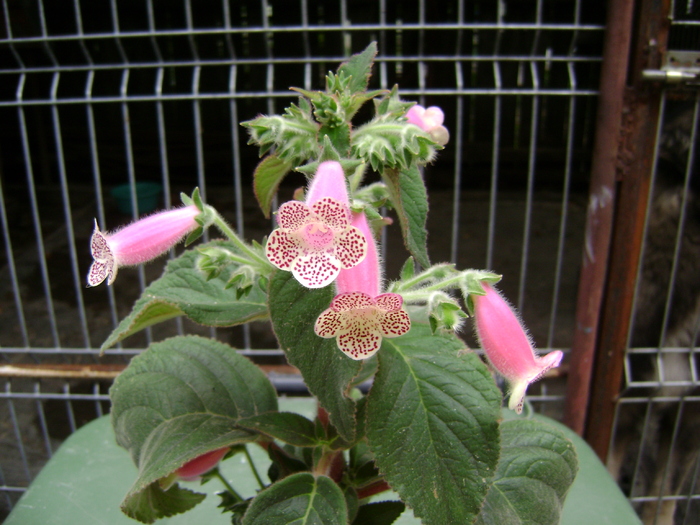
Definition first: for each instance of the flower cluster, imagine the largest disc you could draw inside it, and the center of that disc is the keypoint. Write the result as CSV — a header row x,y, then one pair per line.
x,y
319,245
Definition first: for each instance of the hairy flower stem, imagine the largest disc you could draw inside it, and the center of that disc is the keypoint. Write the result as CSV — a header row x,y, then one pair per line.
x,y
421,287
432,274
232,236
252,467
228,486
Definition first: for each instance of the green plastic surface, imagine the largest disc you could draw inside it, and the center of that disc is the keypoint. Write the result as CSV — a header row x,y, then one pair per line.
x,y
87,478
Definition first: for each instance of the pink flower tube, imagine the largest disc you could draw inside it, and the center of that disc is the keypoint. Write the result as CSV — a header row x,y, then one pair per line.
x,y
139,242
508,347
315,239
192,470
359,317
430,120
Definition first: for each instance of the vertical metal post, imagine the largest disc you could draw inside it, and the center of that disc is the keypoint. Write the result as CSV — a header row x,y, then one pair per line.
x,y
636,160
599,219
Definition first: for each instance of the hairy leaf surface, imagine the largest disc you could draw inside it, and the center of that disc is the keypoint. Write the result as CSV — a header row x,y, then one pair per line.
x,y
432,423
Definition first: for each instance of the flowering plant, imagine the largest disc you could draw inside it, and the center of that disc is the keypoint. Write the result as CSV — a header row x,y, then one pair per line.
x,y
430,428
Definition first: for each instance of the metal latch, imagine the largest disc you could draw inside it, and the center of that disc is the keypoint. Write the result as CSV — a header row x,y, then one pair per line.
x,y
678,67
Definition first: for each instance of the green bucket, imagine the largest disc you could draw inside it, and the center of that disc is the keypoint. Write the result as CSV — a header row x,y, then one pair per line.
x,y
147,196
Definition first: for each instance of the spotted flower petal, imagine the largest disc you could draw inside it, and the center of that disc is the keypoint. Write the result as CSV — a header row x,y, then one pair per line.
x,y
293,215
283,249
389,301
345,302
360,341
315,270
332,213
394,324
103,266
359,322
351,248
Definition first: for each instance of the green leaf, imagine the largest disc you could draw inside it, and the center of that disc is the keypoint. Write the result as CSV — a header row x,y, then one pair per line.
x,y
352,502
299,499
154,503
267,178
326,370
185,290
285,462
537,467
286,426
359,67
185,376
180,399
408,270
339,136
432,423
381,513
362,470
410,199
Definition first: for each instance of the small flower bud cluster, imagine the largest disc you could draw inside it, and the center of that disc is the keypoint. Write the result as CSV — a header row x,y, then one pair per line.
x,y
430,120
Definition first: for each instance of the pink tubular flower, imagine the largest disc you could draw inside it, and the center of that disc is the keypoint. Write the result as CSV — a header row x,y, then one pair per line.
x,y
139,242
192,470
359,318
315,239
430,120
508,347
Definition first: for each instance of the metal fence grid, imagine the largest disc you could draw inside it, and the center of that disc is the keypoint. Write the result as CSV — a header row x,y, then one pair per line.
x,y
102,93
654,447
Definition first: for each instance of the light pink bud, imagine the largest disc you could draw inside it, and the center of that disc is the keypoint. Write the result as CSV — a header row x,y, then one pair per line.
x,y
429,120
138,242
507,345
366,276
192,470
329,181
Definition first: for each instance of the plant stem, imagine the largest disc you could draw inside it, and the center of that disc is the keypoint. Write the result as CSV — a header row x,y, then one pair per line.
x,y
323,467
427,275
423,294
252,467
235,239
228,486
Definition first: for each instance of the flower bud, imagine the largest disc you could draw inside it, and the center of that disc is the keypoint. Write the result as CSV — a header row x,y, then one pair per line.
x,y
430,120
139,242
329,181
192,470
508,347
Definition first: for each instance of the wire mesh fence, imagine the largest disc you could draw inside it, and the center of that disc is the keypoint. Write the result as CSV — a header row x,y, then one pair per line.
x,y
654,448
106,94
